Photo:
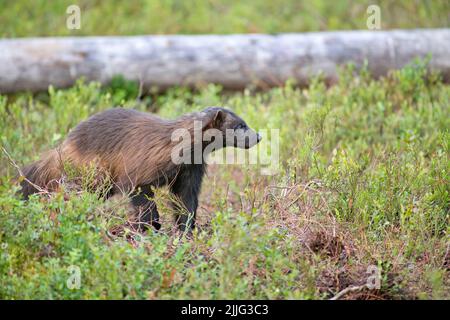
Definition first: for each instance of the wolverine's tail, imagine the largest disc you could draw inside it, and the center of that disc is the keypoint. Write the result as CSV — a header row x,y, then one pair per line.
x,y
43,174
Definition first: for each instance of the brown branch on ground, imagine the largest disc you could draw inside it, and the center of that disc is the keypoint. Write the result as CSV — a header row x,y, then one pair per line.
x,y
348,290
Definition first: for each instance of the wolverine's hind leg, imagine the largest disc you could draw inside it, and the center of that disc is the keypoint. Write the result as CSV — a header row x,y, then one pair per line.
x,y
147,212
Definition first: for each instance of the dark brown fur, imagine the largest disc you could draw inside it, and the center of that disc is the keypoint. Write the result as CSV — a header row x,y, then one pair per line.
x,y
135,149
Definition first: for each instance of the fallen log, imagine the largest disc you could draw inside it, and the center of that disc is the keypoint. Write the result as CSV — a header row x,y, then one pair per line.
x,y
233,61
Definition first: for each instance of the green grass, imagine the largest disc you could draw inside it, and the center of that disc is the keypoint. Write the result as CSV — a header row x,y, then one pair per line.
x,y
22,18
364,180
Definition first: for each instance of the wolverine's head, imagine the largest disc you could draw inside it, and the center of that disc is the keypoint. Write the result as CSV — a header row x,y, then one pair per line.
x,y
232,129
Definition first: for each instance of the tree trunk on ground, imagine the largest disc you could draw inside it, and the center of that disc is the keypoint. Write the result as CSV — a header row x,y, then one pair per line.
x,y
233,61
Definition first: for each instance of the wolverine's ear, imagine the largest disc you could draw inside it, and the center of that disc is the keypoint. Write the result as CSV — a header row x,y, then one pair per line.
x,y
219,117
216,120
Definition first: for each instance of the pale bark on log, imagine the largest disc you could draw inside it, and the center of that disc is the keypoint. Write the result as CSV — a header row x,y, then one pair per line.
x,y
233,61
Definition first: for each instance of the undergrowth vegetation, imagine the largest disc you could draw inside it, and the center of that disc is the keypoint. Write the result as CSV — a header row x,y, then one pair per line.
x,y
363,183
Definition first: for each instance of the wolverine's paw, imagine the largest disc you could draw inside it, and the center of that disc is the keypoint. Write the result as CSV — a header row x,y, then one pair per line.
x,y
156,225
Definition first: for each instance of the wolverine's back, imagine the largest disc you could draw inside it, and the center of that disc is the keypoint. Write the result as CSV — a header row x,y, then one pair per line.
x,y
130,144
113,129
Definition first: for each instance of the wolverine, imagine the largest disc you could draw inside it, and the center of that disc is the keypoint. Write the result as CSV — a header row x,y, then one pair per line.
x,y
137,151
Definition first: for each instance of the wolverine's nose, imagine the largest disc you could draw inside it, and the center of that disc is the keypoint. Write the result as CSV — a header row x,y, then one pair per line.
x,y
258,137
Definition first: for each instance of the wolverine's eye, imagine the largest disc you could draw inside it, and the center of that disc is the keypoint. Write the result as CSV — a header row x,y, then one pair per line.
x,y
240,126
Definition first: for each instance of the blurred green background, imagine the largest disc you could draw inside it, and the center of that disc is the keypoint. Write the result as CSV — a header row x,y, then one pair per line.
x,y
23,18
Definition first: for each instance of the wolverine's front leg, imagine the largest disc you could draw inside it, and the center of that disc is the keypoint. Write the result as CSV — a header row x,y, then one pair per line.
x,y
147,212
186,188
